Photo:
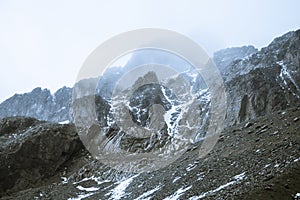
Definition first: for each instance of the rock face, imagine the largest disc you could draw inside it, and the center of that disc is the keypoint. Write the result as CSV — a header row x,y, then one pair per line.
x,y
265,81
39,104
31,151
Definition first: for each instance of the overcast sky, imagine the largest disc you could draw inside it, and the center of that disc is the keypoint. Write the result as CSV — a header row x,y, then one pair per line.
x,y
44,43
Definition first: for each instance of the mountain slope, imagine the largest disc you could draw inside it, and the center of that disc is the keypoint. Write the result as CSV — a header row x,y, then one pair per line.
x,y
254,160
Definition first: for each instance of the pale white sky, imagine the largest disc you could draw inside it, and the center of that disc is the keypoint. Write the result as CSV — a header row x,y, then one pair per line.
x,y
44,43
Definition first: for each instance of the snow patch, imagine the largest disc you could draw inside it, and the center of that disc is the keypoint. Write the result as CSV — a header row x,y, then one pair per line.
x,y
267,165
91,189
192,166
64,180
119,191
176,178
62,108
98,180
200,176
168,116
147,194
240,177
178,193
285,73
64,122
237,178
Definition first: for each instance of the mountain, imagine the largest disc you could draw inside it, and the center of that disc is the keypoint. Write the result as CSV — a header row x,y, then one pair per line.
x,y
265,81
257,82
40,104
43,105
256,156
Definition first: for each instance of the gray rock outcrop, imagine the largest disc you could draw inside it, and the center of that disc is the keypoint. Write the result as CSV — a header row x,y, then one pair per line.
x,y
31,151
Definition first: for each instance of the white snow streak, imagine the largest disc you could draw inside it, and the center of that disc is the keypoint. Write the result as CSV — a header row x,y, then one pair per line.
x,y
64,122
98,180
91,189
178,193
237,178
176,178
285,73
147,194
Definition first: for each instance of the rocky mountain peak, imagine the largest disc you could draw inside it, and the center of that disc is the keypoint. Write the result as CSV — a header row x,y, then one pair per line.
x,y
224,57
40,104
149,77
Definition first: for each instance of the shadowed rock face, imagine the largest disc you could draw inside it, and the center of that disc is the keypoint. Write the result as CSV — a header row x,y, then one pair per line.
x,y
31,151
15,125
